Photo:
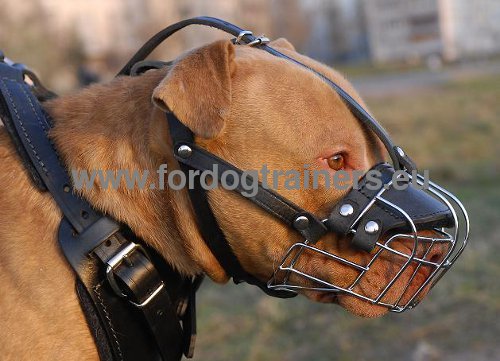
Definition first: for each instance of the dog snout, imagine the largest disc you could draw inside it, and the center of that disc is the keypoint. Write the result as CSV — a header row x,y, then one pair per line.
x,y
429,249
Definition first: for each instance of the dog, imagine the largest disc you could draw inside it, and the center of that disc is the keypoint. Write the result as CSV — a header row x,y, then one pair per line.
x,y
244,105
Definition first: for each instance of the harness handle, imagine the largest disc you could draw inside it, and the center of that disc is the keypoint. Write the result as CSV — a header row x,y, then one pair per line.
x,y
399,159
158,38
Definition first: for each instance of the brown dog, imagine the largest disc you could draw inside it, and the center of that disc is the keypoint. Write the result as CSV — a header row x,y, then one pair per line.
x,y
244,105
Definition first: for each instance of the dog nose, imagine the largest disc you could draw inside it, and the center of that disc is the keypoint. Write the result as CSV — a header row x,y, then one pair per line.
x,y
435,252
371,210
431,249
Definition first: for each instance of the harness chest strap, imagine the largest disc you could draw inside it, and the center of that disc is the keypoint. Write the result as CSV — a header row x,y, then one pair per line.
x,y
143,324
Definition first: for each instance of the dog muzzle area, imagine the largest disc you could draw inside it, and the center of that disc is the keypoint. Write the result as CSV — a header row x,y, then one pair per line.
x,y
419,227
417,233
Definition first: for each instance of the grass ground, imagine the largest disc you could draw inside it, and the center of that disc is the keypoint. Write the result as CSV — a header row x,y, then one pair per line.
x,y
368,69
454,131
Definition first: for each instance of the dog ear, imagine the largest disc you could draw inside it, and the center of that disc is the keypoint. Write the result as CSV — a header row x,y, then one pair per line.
x,y
282,43
198,88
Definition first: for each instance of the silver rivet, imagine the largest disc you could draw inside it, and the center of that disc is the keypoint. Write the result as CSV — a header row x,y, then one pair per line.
x,y
346,210
400,152
301,223
371,227
184,151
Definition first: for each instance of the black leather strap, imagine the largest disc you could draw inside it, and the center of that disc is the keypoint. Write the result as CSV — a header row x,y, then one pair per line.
x,y
158,38
27,124
142,286
278,206
10,74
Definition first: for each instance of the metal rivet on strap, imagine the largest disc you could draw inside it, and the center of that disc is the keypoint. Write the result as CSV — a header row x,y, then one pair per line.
x,y
400,152
371,227
346,210
184,151
301,223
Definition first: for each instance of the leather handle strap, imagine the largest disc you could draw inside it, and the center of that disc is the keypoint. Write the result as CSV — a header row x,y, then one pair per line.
x,y
158,38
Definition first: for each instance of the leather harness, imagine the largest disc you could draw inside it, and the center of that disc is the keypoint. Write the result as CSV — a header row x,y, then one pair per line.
x,y
137,306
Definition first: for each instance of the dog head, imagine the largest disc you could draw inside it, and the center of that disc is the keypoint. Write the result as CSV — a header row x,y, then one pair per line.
x,y
253,109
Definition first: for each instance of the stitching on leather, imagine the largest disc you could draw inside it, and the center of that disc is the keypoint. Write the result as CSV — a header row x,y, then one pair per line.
x,y
22,125
45,130
270,210
430,214
273,211
113,332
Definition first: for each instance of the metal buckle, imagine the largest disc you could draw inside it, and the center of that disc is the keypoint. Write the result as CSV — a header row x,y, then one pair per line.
x,y
241,35
121,256
115,261
261,40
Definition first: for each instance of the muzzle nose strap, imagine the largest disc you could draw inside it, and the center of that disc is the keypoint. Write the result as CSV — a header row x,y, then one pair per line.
x,y
371,212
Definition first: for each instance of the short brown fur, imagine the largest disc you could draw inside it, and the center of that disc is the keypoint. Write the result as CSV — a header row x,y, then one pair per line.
x,y
244,105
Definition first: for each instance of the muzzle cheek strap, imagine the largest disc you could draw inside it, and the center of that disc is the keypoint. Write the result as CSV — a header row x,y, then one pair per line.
x,y
192,157
371,212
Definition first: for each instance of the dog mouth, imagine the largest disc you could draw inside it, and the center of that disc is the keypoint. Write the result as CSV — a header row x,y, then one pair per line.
x,y
322,296
416,278
365,284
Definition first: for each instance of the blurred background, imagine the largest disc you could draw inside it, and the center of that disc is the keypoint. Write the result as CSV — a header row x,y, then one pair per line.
x,y
430,72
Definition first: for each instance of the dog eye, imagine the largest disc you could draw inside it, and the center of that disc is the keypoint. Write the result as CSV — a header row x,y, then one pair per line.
x,y
336,162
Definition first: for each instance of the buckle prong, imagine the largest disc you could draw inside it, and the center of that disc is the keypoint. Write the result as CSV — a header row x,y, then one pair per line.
x,y
121,256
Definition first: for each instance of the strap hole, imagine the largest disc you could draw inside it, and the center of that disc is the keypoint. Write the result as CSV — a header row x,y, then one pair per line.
x,y
107,243
84,214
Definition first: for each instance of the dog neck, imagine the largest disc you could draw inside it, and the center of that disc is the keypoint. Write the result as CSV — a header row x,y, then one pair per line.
x,y
115,126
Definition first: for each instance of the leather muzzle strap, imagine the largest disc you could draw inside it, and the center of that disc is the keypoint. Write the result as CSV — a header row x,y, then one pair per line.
x,y
310,227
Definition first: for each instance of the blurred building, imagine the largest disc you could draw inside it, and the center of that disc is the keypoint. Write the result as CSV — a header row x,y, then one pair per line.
x,y
57,36
470,28
422,29
337,31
